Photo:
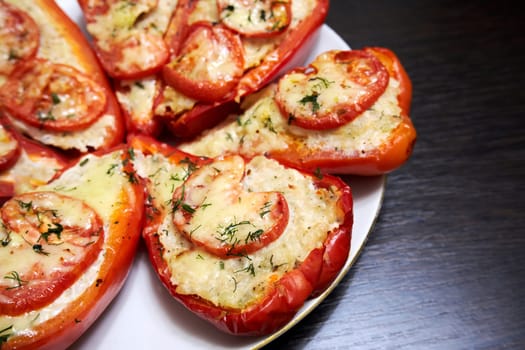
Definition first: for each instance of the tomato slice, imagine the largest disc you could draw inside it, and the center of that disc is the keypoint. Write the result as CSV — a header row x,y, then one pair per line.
x,y
255,18
396,70
336,88
215,212
126,48
56,237
134,56
52,96
19,35
178,26
9,148
209,65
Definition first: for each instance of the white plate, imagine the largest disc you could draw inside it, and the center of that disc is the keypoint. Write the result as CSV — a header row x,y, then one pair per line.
x,y
145,316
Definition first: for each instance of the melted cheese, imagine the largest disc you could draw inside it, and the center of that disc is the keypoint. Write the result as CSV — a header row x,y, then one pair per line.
x,y
139,101
125,19
241,217
163,175
207,58
30,172
7,142
98,182
262,128
205,10
239,282
173,103
61,256
256,17
54,48
330,86
160,17
256,49
92,137
137,97
134,55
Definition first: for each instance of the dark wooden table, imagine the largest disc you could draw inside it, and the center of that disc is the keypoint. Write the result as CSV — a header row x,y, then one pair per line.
x,y
444,267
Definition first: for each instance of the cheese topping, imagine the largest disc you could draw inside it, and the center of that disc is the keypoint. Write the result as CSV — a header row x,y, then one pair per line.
x,y
93,137
54,48
30,172
240,281
125,19
138,55
255,17
99,182
173,103
262,128
205,10
44,236
240,221
209,56
7,142
332,84
138,101
256,49
137,97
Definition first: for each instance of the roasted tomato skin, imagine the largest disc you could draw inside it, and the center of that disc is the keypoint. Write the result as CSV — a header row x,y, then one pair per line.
x,y
7,190
390,60
189,75
287,294
20,35
120,245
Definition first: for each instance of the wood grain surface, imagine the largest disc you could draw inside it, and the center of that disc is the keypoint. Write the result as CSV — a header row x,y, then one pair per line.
x,y
444,267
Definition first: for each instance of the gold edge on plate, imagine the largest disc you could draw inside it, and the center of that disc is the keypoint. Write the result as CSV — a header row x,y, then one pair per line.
x,y
319,299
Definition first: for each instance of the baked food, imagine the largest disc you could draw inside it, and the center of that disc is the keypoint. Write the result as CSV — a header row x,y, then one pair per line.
x,y
66,249
55,93
235,323
347,113
231,47
66,241
241,242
